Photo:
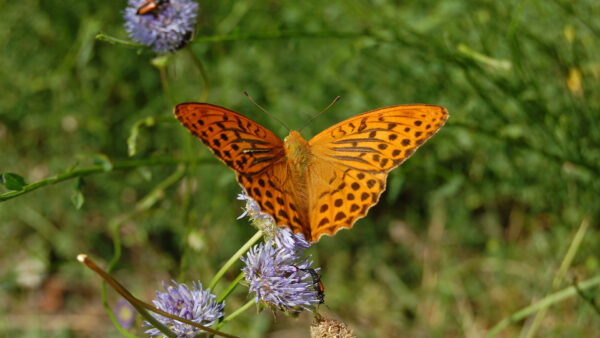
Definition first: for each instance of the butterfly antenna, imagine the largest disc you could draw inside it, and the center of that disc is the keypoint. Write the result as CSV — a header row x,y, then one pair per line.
x,y
263,109
319,114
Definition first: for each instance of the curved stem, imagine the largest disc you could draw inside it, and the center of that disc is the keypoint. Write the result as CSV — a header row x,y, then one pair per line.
x,y
234,258
198,64
128,164
165,82
278,35
115,225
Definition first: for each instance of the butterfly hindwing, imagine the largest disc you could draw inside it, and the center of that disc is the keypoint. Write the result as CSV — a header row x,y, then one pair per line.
x,y
274,192
348,196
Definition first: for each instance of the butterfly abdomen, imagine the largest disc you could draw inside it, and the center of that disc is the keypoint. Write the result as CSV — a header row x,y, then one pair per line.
x,y
298,155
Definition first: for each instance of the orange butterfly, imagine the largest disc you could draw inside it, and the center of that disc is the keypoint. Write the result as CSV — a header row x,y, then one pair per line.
x,y
327,183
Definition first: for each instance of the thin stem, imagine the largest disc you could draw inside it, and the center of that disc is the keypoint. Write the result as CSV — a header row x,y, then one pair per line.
x,y
115,41
127,164
234,259
249,37
542,303
279,35
115,225
186,214
231,287
198,63
235,314
164,81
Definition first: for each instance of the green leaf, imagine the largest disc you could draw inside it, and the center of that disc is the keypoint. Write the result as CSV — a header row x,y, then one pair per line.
x,y
102,160
77,198
12,181
134,133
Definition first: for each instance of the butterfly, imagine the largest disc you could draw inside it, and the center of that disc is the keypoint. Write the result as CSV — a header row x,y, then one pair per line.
x,y
323,185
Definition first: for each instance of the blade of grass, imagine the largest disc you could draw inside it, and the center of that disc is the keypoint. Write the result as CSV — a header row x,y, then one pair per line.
x,y
544,302
559,276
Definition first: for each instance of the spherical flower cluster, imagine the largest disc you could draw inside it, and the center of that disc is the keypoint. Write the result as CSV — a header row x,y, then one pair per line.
x,y
195,304
125,313
277,277
166,28
277,272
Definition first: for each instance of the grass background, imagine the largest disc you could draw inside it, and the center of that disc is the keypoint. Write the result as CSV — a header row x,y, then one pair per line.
x,y
471,229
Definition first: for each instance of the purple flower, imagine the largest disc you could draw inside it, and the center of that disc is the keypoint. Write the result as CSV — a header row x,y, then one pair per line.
x,y
278,274
285,238
197,305
125,313
166,28
276,271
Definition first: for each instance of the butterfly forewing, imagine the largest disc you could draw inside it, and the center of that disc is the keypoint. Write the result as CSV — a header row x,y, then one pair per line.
x,y
252,151
242,144
353,157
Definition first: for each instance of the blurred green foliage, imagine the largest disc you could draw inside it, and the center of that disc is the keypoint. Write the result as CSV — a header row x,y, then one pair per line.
x,y
471,229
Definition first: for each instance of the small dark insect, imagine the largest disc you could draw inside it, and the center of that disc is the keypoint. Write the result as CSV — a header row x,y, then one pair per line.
x,y
150,6
317,284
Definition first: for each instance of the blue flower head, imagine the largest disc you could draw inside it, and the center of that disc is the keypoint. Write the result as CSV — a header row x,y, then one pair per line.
x,y
166,28
276,273
194,304
125,313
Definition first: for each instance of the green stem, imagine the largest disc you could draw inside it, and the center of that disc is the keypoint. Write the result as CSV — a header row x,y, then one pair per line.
x,y
127,164
231,287
234,259
235,314
278,35
165,83
115,41
542,303
198,64
115,225
186,210
248,37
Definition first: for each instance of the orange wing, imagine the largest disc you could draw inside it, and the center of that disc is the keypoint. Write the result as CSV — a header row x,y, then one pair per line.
x,y
352,160
253,152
